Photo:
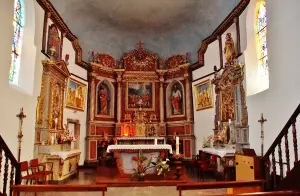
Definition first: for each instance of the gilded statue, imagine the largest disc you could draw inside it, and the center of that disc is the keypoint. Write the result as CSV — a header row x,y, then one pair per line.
x,y
229,49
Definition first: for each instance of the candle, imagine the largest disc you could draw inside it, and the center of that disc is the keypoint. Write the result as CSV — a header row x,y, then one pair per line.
x,y
52,140
177,145
155,141
219,122
229,121
55,120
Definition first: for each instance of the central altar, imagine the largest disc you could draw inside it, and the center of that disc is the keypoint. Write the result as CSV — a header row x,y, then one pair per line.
x,y
126,153
139,96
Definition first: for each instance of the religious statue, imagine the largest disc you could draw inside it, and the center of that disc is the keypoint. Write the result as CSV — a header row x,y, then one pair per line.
x,y
176,98
103,101
229,49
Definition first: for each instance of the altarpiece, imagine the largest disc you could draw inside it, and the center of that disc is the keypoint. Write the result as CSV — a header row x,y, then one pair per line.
x,y
139,96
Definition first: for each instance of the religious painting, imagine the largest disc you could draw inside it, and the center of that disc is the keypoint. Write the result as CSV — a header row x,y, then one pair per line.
x,y
76,95
103,99
53,44
203,95
177,99
152,130
140,95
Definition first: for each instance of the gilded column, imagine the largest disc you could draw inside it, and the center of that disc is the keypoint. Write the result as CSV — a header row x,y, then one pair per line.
x,y
161,100
92,101
119,102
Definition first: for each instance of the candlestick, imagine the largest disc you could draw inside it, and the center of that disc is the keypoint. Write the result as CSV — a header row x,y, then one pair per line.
x,y
177,145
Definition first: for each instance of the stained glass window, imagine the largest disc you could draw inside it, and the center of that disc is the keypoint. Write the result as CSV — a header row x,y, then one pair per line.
x,y
261,25
18,23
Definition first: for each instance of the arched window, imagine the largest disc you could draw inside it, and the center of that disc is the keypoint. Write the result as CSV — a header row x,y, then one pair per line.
x,y
261,30
18,23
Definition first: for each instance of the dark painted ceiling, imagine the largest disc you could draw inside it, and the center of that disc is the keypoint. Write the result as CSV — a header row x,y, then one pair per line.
x,y
167,27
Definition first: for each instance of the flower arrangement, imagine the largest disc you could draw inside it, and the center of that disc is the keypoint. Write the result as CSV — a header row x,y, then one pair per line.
x,y
178,156
143,164
69,138
218,140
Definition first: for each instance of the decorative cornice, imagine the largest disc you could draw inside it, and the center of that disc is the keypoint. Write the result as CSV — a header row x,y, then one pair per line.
x,y
56,18
229,20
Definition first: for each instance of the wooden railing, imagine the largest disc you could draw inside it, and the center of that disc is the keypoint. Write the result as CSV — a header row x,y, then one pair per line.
x,y
11,170
59,188
218,185
270,156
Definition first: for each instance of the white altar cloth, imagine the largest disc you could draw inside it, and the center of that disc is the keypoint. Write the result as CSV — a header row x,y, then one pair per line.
x,y
140,138
64,154
222,152
142,147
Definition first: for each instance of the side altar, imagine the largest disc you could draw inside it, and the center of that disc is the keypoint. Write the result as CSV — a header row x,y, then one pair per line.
x,y
54,143
139,96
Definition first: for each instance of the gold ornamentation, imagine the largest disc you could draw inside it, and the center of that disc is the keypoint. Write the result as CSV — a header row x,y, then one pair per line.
x,y
40,99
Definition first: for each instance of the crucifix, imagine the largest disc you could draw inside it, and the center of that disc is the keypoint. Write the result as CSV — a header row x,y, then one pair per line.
x,y
140,44
21,116
262,121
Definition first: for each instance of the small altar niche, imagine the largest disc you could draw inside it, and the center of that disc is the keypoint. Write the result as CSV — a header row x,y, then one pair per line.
x,y
231,116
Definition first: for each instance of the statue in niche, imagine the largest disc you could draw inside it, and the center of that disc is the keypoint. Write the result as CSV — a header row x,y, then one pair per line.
x,y
103,100
53,48
176,99
229,49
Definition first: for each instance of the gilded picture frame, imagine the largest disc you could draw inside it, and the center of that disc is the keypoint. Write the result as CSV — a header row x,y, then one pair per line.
x,y
76,95
203,94
140,94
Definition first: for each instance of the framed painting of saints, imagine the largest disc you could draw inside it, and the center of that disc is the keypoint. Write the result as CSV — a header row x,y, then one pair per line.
x,y
76,95
140,95
203,95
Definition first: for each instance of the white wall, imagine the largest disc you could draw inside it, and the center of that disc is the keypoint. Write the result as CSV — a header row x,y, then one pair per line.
x,y
12,99
204,119
25,95
281,99
73,114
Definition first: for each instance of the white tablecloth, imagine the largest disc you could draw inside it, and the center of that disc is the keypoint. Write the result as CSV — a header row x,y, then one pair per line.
x,y
222,152
138,147
64,154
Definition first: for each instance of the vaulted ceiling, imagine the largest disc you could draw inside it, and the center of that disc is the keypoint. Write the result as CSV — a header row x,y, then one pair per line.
x,y
167,27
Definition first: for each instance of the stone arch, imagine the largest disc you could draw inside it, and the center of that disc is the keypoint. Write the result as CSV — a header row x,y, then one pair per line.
x,y
169,108
108,89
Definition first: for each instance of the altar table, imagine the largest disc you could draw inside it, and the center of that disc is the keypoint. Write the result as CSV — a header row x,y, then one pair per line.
x,y
125,153
225,159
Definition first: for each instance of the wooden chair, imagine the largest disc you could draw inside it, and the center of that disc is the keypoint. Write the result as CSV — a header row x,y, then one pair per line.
x,y
209,166
27,174
36,168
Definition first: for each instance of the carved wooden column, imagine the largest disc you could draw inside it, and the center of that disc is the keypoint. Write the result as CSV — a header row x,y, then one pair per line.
x,y
161,95
92,98
188,103
119,73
